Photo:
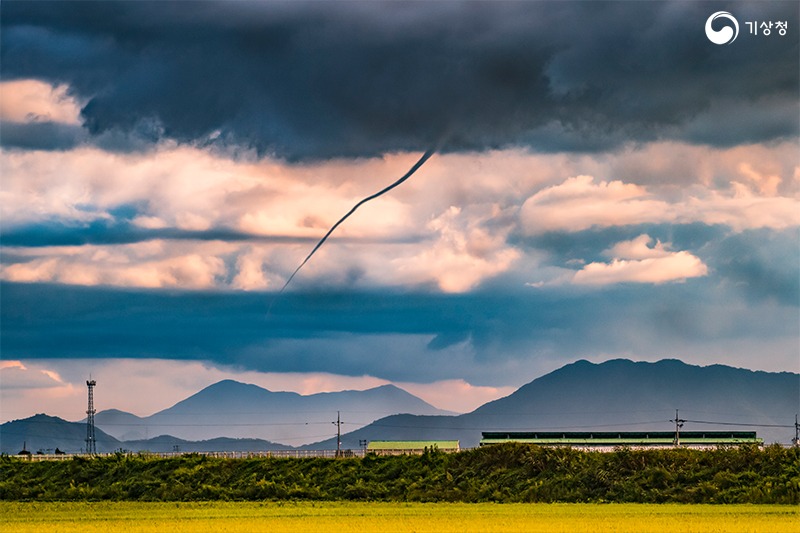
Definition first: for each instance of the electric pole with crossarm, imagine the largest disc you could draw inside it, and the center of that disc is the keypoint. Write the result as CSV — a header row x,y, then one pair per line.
x,y
338,434
678,425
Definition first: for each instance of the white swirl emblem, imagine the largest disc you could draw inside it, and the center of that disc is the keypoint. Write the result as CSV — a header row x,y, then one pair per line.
x,y
726,34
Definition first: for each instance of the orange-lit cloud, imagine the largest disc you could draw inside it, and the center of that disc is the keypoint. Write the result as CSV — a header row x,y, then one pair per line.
x,y
462,255
147,264
582,202
636,262
36,101
448,227
456,394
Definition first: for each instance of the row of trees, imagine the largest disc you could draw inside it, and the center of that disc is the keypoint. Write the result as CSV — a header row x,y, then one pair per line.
x,y
502,473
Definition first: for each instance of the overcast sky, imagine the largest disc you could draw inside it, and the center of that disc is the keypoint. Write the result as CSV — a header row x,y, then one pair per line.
x,y
607,183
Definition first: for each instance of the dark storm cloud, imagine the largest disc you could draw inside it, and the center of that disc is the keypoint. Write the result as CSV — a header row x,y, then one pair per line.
x,y
105,232
763,264
323,79
345,333
40,135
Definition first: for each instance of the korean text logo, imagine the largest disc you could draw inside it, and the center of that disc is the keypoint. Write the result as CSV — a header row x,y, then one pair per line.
x,y
730,30
726,34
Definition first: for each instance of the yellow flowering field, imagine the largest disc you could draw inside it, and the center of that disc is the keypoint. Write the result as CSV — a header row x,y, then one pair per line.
x,y
276,517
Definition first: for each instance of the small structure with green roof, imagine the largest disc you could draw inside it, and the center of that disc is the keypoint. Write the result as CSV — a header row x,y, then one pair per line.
x,y
410,447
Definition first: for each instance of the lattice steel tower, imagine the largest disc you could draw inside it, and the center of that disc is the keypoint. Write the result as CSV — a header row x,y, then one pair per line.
x,y
91,448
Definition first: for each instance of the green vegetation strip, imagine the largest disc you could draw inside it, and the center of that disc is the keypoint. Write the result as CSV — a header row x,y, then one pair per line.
x,y
508,473
110,517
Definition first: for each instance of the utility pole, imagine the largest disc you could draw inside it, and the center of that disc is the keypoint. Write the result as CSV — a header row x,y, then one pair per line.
x,y
338,434
796,439
678,425
91,448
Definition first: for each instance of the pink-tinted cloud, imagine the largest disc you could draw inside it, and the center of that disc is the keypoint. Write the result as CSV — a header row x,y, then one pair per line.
x,y
30,387
638,248
636,262
148,264
463,254
669,168
582,202
447,227
456,395
16,375
36,101
744,209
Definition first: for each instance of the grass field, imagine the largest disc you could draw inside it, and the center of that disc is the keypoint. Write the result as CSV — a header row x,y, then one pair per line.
x,y
277,517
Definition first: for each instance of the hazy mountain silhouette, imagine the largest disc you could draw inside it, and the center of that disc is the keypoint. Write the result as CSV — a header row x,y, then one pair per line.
x,y
617,395
46,433
117,420
168,443
238,410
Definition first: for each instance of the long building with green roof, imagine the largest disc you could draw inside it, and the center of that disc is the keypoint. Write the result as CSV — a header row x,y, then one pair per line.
x,y
611,439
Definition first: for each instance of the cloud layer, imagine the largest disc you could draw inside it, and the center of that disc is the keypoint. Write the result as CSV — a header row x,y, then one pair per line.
x,y
610,183
635,261
314,80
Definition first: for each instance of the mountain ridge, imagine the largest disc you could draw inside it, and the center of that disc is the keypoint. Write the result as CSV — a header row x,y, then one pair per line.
x,y
44,434
47,433
244,410
618,394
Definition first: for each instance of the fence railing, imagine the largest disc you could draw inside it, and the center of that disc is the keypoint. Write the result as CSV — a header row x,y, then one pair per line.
x,y
329,454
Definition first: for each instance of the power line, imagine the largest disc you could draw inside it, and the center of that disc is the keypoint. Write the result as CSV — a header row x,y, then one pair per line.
x,y
740,424
377,424
485,428
142,420
678,425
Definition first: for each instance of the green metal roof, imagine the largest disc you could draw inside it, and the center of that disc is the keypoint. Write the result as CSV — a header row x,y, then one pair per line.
x,y
621,442
412,444
621,438
617,434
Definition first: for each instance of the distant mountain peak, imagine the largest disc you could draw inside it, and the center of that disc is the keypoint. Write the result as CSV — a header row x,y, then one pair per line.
x,y
240,410
388,386
231,384
615,395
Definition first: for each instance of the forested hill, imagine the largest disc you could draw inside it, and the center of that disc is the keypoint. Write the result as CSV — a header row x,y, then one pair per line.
x,y
500,473
617,395
45,434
